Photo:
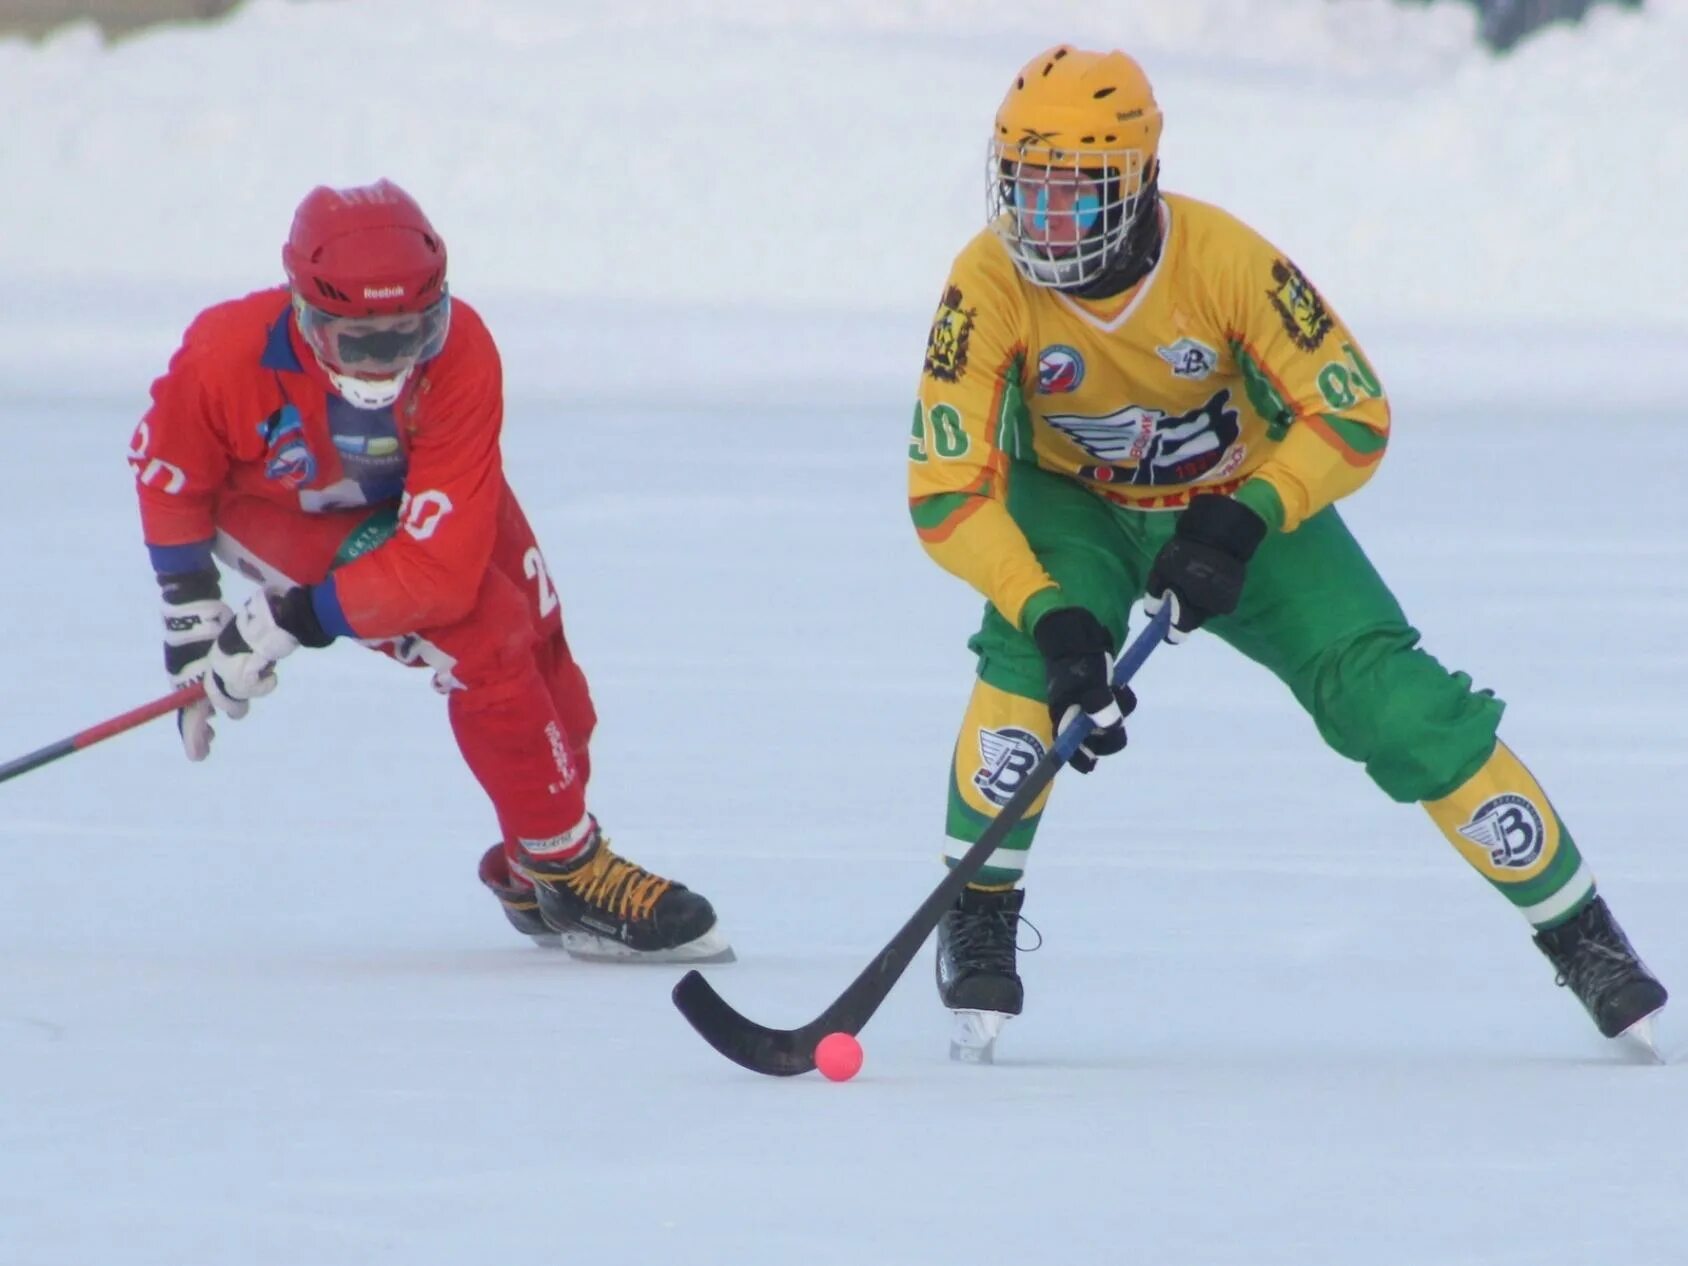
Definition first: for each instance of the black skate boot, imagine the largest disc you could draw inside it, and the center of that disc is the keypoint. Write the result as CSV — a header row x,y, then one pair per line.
x,y
602,906
517,897
977,978
1592,956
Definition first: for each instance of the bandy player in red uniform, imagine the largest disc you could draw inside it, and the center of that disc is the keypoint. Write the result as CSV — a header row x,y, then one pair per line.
x,y
336,441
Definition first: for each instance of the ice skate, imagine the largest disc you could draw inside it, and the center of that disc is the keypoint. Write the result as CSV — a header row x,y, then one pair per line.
x,y
604,908
976,970
516,897
1591,956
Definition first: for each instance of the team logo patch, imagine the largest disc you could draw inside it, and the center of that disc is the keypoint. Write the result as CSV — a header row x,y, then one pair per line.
x,y
946,345
1060,369
289,461
1007,756
1148,447
1299,305
1189,359
1510,827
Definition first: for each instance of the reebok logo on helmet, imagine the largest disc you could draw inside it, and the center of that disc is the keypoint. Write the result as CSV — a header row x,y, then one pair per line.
x,y
383,292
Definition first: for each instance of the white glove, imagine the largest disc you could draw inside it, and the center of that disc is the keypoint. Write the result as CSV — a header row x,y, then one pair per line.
x,y
190,631
242,662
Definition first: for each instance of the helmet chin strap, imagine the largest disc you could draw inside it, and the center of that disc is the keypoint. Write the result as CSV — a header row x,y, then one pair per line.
x,y
366,393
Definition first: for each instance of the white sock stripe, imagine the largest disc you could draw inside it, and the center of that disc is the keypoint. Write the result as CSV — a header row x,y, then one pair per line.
x,y
1575,889
568,841
1000,859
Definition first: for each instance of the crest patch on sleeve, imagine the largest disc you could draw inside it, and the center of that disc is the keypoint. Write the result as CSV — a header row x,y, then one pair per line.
x,y
946,345
1298,304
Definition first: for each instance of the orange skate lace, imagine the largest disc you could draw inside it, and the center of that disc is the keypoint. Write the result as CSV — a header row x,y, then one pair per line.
x,y
613,883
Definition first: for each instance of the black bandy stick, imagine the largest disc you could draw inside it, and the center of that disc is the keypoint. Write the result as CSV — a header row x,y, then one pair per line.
x,y
787,1052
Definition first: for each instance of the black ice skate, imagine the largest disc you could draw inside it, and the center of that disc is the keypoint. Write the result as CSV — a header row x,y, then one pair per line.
x,y
977,976
517,898
601,906
1592,956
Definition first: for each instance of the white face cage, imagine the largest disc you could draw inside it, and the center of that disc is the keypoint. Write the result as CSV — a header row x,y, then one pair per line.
x,y
1062,214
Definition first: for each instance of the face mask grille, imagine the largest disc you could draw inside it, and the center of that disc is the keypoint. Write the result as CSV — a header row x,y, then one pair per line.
x,y
1062,214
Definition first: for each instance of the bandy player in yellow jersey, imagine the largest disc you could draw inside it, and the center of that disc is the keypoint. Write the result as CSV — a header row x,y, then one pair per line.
x,y
1128,393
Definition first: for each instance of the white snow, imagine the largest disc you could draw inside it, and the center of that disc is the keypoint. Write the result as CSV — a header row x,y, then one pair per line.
x,y
824,161
258,1012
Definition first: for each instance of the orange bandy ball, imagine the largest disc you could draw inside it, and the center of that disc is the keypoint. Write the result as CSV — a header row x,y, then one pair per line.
x,y
838,1056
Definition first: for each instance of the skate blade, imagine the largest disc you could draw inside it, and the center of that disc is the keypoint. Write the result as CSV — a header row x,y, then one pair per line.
x,y
973,1035
1642,1041
711,947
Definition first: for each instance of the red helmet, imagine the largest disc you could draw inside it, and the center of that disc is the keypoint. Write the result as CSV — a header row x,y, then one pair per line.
x,y
364,251
369,292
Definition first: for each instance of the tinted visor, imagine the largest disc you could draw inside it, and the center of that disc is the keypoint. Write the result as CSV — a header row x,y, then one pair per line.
x,y
376,346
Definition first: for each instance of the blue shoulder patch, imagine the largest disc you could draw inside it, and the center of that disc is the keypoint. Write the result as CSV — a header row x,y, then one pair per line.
x,y
278,346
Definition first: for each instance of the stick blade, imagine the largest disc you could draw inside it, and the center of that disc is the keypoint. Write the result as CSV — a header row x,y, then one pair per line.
x,y
772,1052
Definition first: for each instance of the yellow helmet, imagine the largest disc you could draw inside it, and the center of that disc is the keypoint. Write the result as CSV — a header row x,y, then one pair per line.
x,y
1072,170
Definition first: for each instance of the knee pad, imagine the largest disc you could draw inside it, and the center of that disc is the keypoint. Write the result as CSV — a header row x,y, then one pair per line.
x,y
1419,729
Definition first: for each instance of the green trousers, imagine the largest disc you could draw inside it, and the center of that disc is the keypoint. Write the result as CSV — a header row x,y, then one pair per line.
x,y
1314,612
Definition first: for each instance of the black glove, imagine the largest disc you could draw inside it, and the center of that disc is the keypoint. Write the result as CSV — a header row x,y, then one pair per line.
x,y
1078,656
1203,566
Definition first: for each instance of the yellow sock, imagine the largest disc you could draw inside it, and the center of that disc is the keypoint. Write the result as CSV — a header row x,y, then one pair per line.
x,y
1501,822
1002,737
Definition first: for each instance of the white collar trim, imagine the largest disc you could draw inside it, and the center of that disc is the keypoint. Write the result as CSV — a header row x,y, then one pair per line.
x,y
1143,287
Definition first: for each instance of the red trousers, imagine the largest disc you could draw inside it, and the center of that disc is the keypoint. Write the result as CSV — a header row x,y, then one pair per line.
x,y
518,703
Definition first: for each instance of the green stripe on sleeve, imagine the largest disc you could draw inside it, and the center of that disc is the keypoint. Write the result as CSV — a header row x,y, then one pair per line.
x,y
930,512
1261,497
1360,438
1039,605
1268,402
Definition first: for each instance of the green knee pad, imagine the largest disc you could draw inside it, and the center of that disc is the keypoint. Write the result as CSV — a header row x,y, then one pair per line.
x,y
1419,729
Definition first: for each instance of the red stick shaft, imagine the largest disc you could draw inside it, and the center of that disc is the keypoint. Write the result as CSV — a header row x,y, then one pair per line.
x,y
105,729
172,702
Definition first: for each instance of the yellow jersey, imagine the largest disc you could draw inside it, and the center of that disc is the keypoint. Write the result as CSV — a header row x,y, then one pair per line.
x,y
1223,370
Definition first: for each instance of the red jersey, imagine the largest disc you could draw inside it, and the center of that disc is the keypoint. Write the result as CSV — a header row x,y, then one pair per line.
x,y
244,408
